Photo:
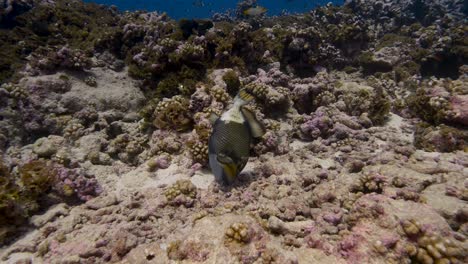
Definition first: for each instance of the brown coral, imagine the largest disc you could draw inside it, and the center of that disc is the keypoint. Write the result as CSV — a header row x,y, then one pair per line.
x,y
431,247
239,232
183,192
173,114
199,152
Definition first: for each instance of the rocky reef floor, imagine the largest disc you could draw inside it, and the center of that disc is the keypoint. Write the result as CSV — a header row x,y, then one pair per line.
x,y
104,130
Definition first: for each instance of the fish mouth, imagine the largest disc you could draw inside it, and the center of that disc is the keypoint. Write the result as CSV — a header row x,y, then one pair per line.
x,y
229,172
224,168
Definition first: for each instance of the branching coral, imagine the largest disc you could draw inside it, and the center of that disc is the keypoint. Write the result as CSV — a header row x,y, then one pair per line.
x,y
203,125
65,57
441,138
74,182
161,162
91,81
370,182
239,232
188,53
232,82
219,94
199,152
183,192
74,130
427,246
315,126
200,99
126,147
11,210
173,114
165,141
440,101
187,250
273,100
39,177
359,99
14,91
273,141
23,194
52,23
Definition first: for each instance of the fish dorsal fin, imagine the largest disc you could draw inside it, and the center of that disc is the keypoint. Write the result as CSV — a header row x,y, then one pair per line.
x,y
224,159
244,96
256,129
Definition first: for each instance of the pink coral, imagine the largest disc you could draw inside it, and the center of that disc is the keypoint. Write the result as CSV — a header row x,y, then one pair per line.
x,y
315,126
199,100
459,105
333,218
74,181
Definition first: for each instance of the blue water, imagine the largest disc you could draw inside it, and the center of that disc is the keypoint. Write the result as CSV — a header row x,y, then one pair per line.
x,y
206,8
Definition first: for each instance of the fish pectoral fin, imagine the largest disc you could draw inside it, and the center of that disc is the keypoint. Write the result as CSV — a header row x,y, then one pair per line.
x,y
223,159
256,129
213,117
231,171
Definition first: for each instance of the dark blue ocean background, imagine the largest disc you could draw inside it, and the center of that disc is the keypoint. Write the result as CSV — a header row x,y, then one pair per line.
x,y
206,8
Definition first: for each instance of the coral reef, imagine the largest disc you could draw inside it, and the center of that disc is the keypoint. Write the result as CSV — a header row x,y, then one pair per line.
x,y
431,247
441,138
33,189
173,114
105,118
238,232
183,192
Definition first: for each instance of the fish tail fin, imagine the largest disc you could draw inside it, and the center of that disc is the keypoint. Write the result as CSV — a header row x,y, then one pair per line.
x,y
243,97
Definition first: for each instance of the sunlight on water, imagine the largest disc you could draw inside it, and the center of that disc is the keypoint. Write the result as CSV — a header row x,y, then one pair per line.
x,y
206,8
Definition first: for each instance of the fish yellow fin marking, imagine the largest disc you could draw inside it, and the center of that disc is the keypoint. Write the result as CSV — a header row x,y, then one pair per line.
x,y
245,96
230,170
256,129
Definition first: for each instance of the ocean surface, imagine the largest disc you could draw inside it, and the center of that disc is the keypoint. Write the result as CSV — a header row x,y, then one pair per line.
x,y
205,9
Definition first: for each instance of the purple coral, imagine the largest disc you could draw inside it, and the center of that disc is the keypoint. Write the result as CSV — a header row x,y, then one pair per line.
x,y
459,105
315,126
74,181
65,57
199,100
333,218
273,142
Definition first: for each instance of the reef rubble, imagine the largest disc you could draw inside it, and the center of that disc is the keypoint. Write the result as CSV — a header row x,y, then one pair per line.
x,y
105,119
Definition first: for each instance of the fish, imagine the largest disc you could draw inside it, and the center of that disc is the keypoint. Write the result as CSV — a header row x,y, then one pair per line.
x,y
229,142
255,11
198,3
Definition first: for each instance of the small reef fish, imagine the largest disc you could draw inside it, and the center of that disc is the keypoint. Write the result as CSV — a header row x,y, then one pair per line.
x,y
198,3
255,11
229,143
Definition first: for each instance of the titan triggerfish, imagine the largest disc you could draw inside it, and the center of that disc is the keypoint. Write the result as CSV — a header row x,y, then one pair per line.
x,y
229,143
